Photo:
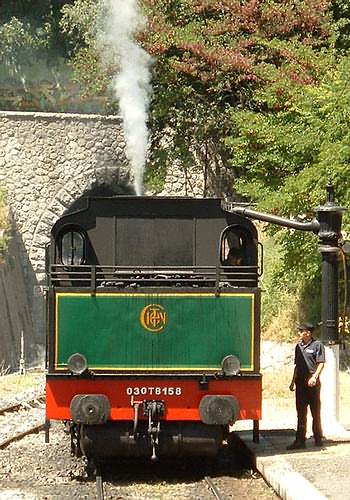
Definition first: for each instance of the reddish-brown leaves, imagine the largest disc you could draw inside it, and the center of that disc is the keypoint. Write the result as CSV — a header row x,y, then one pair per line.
x,y
207,38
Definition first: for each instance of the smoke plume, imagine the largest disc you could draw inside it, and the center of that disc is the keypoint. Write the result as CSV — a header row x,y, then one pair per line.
x,y
131,84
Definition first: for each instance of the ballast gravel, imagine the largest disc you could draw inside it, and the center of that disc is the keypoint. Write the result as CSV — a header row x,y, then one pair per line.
x,y
20,421
31,469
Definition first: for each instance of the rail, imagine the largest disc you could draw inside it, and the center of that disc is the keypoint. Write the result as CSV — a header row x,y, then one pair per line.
x,y
28,404
213,488
14,426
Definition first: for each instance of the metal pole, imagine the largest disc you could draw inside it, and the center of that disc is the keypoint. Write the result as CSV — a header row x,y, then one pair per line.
x,y
327,225
330,217
22,368
329,310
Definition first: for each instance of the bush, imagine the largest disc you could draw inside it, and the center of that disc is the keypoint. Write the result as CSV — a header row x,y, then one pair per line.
x,y
287,298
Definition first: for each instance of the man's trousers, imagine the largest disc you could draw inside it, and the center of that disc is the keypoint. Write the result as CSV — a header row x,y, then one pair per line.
x,y
308,396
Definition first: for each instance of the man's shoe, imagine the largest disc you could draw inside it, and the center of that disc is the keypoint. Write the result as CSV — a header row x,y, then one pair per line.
x,y
297,445
318,443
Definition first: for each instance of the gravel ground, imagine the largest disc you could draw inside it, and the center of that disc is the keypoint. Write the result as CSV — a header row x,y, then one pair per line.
x,y
31,469
12,391
20,421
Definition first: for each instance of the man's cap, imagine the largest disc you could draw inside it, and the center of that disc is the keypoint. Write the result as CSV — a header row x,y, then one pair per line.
x,y
306,326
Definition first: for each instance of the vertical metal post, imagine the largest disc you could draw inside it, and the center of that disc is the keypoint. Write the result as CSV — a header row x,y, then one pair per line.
x,y
47,430
329,312
329,217
22,368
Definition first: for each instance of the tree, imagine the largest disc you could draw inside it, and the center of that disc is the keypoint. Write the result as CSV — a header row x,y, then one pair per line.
x,y
80,25
210,57
27,30
288,157
32,49
213,56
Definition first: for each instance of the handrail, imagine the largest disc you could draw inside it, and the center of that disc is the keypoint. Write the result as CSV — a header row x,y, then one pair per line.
x,y
129,276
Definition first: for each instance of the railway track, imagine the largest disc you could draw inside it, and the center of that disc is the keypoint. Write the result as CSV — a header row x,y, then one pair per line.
x,y
30,403
42,472
20,419
207,479
208,482
215,491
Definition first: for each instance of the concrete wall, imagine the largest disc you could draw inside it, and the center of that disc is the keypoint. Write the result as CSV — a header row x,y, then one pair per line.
x,y
16,311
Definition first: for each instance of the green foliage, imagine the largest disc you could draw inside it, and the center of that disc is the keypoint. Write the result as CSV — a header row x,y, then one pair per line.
x,y
288,294
25,31
341,16
18,42
289,156
40,43
79,23
155,172
213,56
89,72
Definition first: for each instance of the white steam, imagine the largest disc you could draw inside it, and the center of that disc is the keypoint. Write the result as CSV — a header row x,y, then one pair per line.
x,y
131,84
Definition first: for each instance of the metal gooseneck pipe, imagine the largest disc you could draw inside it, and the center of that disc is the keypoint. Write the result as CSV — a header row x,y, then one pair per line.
x,y
327,226
275,219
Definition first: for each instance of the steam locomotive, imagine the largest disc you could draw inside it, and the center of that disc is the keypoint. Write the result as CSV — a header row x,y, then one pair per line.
x,y
152,335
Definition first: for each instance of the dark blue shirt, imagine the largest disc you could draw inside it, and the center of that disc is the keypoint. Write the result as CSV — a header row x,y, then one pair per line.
x,y
307,356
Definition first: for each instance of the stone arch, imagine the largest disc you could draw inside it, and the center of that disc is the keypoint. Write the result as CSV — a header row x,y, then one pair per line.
x,y
48,161
69,197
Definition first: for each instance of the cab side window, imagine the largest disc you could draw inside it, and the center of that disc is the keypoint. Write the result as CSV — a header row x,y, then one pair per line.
x,y
232,252
71,247
238,247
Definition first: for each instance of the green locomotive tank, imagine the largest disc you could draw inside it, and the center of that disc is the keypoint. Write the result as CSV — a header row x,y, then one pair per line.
x,y
153,326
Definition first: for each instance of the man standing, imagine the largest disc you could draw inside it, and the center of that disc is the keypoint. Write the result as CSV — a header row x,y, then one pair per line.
x,y
309,362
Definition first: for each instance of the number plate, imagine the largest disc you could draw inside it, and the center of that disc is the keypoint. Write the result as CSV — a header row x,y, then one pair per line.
x,y
153,391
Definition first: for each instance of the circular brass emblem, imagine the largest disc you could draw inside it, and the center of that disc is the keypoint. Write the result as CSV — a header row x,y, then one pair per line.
x,y
153,318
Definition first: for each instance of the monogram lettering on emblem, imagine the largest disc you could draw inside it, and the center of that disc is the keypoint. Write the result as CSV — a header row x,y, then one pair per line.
x,y
153,318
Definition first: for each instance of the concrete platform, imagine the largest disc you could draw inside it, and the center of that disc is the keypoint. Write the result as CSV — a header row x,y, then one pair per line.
x,y
310,474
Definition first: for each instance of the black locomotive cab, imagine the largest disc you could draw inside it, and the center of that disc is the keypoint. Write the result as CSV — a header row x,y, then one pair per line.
x,y
127,241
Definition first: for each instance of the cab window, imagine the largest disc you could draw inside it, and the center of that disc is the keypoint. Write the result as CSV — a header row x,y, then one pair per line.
x,y
237,241
71,248
232,246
